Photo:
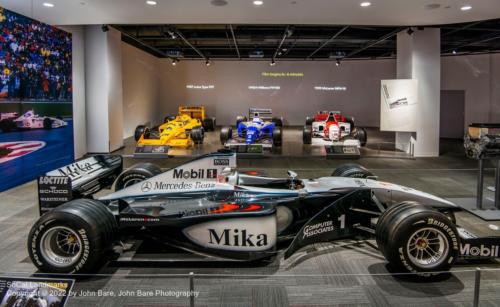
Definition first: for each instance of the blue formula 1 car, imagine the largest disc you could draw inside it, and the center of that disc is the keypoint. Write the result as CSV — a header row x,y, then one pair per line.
x,y
261,129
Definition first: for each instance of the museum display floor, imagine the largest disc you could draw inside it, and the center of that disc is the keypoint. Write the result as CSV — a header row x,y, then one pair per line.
x,y
343,273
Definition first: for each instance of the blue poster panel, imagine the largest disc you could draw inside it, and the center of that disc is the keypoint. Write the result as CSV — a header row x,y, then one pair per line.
x,y
36,110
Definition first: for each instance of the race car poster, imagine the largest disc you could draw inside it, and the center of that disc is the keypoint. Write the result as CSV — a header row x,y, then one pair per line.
x,y
36,110
34,292
398,105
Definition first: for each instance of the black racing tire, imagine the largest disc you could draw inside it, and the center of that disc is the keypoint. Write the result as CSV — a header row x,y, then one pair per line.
x,y
168,118
418,239
350,120
209,124
87,222
277,136
307,135
47,123
226,133
197,135
360,134
278,121
139,131
309,121
240,119
352,170
137,173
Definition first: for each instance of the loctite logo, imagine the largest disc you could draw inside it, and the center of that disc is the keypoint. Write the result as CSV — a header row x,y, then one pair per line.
x,y
201,173
53,180
479,251
236,237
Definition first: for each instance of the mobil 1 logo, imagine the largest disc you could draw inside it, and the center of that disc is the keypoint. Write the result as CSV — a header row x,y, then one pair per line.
x,y
210,173
53,191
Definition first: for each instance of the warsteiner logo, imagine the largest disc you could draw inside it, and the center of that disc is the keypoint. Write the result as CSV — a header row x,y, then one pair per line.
x,y
201,173
146,186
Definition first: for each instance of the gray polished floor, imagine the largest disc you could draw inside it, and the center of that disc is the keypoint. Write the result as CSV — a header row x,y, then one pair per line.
x,y
344,273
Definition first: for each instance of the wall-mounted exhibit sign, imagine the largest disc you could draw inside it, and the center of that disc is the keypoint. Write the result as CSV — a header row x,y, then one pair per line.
x,y
330,88
282,74
200,87
398,105
36,111
264,87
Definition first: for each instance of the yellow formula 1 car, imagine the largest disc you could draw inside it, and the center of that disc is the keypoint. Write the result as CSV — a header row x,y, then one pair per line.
x,y
183,130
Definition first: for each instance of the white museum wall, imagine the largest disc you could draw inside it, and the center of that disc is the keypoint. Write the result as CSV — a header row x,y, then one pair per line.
x,y
79,109
96,92
141,89
478,75
115,89
296,97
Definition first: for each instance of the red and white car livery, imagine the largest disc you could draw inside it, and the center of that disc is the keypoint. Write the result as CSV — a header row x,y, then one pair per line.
x,y
30,120
332,126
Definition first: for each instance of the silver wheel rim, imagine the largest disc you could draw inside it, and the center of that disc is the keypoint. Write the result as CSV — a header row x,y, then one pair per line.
x,y
61,246
427,248
131,182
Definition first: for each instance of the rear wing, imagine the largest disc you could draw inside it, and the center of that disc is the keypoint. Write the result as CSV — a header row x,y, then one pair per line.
x,y
81,179
196,112
264,114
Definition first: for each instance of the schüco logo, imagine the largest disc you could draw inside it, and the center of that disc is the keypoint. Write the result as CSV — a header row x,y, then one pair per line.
x,y
146,186
201,173
221,162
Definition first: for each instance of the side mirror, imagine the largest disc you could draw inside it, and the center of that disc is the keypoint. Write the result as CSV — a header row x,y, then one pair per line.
x,y
292,174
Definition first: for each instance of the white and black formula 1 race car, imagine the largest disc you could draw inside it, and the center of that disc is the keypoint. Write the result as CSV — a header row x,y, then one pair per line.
x,y
30,120
207,207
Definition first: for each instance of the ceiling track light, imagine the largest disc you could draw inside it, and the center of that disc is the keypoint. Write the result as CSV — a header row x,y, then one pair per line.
x,y
174,62
337,62
454,52
272,62
207,62
410,31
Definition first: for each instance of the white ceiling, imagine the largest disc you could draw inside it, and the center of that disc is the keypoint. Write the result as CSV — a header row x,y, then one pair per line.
x,y
381,12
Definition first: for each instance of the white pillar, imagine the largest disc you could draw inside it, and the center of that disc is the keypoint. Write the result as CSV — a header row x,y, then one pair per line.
x,y
419,57
103,79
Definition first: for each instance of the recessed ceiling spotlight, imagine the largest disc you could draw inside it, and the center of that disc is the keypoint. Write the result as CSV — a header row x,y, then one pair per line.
x,y
258,2
466,7
218,2
454,52
365,4
151,2
174,62
48,4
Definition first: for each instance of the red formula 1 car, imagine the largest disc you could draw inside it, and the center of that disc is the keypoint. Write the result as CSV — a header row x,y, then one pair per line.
x,y
332,126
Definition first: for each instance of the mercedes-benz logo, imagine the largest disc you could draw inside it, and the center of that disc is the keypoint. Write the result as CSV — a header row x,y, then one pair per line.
x,y
146,186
